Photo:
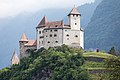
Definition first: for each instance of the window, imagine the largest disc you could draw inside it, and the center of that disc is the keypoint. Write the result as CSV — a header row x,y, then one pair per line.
x,y
56,41
42,31
65,30
67,35
50,35
77,15
73,15
55,30
75,23
42,42
46,36
39,42
76,35
55,35
56,25
41,37
46,30
48,41
39,32
67,38
50,30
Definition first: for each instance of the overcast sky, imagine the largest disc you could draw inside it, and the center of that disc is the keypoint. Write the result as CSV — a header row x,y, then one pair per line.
x,y
14,7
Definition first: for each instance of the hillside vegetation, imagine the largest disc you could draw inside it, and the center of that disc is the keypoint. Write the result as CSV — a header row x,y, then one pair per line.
x,y
61,63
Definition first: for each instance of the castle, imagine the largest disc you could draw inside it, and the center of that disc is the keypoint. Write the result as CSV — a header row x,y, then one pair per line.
x,y
57,33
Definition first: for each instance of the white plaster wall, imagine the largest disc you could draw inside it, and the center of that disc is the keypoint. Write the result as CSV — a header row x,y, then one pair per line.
x,y
52,39
71,40
82,39
39,40
74,19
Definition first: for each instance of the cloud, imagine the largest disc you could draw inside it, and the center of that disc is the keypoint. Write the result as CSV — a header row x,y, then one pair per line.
x,y
14,7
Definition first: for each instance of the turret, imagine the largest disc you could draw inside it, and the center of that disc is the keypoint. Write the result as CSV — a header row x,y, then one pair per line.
x,y
22,43
15,59
74,19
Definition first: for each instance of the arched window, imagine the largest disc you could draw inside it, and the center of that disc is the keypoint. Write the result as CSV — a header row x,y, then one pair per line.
x,y
67,35
55,35
48,41
76,35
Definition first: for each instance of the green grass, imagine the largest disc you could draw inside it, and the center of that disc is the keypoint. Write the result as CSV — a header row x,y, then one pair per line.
x,y
97,54
90,65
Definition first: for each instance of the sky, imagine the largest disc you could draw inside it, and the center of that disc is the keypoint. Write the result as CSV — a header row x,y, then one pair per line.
x,y
14,7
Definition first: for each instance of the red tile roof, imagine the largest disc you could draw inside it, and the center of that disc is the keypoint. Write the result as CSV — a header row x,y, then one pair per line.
x,y
74,11
23,38
43,22
31,43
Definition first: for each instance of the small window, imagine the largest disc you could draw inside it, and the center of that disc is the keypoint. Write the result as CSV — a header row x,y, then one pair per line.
x,y
73,15
46,30
76,35
39,32
55,35
48,41
50,35
67,35
39,42
41,37
56,25
50,30
56,41
42,42
65,30
67,38
76,15
75,23
42,31
46,36
55,30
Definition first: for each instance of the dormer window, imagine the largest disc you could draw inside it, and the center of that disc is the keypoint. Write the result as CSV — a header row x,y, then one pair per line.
x,y
55,25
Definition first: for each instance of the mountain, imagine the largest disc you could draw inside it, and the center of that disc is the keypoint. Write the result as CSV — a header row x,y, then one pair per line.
x,y
103,30
11,28
87,11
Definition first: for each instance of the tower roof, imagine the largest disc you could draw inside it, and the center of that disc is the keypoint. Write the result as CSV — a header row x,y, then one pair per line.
x,y
43,21
23,38
15,58
74,11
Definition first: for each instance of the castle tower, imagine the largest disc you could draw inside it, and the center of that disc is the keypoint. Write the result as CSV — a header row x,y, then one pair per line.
x,y
40,31
22,43
74,19
15,58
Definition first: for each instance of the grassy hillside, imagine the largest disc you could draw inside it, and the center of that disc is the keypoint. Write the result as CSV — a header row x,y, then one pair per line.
x,y
97,54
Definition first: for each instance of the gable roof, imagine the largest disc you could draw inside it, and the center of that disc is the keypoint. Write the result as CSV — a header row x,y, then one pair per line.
x,y
24,38
74,11
43,22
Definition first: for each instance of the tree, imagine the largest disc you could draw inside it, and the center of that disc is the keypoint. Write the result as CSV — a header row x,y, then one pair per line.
x,y
60,63
113,64
112,51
